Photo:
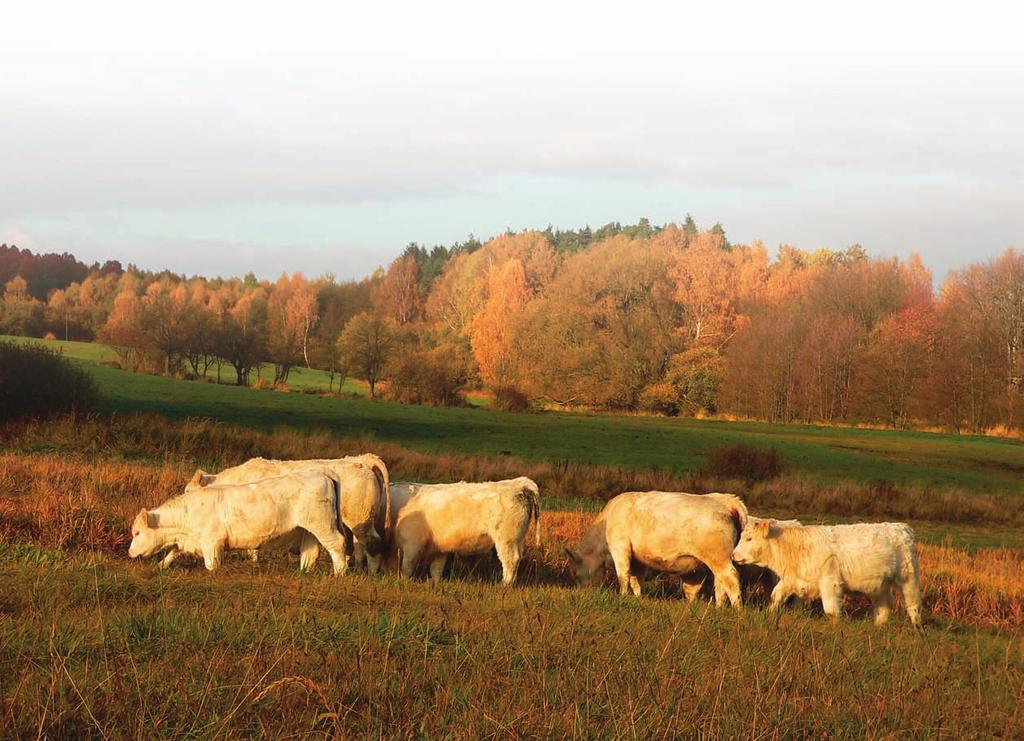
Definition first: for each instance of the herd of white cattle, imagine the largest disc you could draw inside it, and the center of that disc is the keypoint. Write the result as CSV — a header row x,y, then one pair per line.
x,y
350,507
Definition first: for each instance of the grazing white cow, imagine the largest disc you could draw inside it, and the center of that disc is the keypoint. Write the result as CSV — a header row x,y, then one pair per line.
x,y
666,531
365,497
825,561
242,516
466,519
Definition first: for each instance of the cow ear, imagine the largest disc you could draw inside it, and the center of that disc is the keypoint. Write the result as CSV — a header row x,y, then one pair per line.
x,y
573,555
141,519
197,478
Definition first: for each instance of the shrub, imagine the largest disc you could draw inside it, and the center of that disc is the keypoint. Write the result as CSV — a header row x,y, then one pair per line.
x,y
36,382
689,387
426,377
744,463
510,399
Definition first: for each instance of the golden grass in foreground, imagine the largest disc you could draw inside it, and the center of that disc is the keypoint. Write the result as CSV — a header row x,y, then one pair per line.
x,y
80,506
95,646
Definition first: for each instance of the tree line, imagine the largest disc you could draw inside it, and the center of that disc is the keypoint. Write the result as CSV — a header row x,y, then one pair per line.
x,y
665,319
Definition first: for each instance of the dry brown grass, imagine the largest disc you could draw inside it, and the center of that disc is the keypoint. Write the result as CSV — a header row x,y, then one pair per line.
x,y
214,445
984,587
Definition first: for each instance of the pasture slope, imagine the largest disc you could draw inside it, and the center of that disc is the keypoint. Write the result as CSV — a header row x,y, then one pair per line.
x,y
931,461
95,645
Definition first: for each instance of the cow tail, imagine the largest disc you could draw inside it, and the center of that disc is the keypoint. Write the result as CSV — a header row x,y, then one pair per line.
x,y
336,486
535,513
908,555
380,472
737,510
737,523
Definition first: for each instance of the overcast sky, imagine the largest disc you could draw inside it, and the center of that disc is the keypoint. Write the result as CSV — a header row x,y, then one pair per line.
x,y
220,138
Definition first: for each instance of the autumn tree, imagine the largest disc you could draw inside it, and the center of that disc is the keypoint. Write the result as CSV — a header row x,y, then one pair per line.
x,y
22,314
242,334
400,295
494,327
461,291
603,329
969,374
200,329
710,284
992,295
292,313
366,345
123,328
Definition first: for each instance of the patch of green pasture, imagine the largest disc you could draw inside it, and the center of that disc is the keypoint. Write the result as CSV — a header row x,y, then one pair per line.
x,y
825,454
300,379
975,464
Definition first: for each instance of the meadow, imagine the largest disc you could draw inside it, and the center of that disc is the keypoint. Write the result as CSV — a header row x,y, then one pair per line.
x,y
95,645
826,455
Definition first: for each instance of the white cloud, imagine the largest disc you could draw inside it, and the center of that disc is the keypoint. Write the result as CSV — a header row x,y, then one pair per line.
x,y
216,124
12,234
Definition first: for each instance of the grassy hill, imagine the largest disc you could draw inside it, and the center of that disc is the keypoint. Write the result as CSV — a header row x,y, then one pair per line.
x,y
822,454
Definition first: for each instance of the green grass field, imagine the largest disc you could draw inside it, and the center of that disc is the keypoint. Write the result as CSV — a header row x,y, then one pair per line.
x,y
93,645
825,454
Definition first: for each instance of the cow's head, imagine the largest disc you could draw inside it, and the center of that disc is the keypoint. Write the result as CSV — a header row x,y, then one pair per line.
x,y
753,545
587,568
146,536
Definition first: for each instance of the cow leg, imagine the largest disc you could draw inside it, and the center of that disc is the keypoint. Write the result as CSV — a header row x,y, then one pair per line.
x,y
373,563
437,567
780,593
620,558
831,596
883,604
408,557
169,558
358,555
692,584
309,552
334,543
369,544
635,586
509,555
375,552
912,599
727,585
213,554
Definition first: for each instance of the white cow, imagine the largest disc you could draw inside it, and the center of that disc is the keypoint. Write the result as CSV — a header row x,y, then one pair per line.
x,y
365,497
466,519
666,531
242,516
826,561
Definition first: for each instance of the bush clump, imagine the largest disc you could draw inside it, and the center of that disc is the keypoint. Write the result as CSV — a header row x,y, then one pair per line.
x,y
510,399
743,463
432,377
36,383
